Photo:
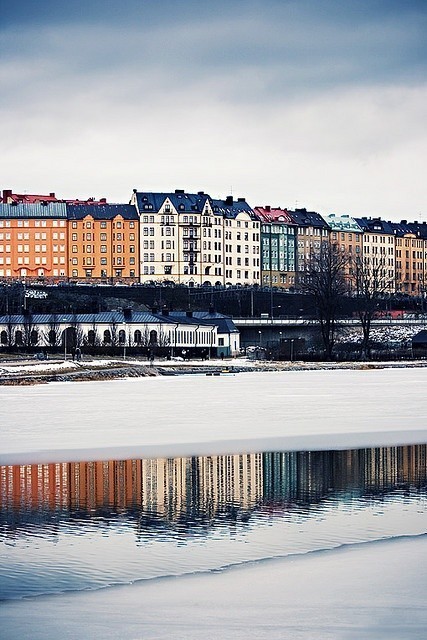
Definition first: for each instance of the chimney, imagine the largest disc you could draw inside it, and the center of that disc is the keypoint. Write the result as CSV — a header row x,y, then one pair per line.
x,y
127,314
179,191
155,308
7,195
211,310
189,314
103,200
241,199
267,207
52,194
200,193
229,200
165,311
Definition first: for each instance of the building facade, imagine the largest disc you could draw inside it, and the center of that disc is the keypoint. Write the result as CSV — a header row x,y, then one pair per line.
x,y
33,240
278,247
192,239
103,241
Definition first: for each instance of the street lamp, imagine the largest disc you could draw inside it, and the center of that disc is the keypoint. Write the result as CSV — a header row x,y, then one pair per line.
x,y
259,333
292,350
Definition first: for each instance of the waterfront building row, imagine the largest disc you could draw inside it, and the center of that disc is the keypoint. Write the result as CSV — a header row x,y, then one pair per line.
x,y
193,239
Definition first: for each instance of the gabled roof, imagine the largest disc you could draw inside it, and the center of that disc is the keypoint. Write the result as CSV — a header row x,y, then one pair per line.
x,y
273,214
304,218
223,323
230,208
151,202
101,211
373,225
33,210
420,337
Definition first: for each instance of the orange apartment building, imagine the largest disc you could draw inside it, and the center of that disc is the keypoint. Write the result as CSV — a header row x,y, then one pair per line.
x,y
103,241
33,240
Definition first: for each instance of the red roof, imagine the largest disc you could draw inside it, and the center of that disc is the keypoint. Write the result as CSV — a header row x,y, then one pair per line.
x,y
273,214
9,197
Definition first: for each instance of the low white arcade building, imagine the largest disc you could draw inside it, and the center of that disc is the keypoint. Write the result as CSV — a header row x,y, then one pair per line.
x,y
178,333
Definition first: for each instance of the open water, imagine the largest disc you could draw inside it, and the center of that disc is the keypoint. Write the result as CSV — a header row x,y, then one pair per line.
x,y
90,525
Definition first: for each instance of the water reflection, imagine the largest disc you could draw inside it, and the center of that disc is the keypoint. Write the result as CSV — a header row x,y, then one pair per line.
x,y
196,494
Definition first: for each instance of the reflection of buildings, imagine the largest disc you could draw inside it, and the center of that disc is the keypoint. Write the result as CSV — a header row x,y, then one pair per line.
x,y
198,491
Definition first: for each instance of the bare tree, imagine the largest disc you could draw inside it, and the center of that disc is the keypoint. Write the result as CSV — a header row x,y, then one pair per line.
x,y
29,330
93,339
77,331
10,327
371,282
53,335
114,331
325,280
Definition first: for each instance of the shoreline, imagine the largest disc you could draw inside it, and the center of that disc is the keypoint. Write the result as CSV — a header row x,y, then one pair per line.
x,y
18,373
332,594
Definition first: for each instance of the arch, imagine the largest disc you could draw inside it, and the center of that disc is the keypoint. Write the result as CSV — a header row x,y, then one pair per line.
x,y
137,337
18,337
107,336
34,337
207,283
51,336
3,338
153,336
91,336
122,336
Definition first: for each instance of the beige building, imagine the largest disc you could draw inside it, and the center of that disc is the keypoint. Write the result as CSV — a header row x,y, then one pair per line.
x,y
195,240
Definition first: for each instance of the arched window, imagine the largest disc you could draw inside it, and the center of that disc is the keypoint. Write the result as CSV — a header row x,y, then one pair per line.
x,y
137,337
3,337
107,336
18,337
52,337
153,336
91,337
34,337
122,336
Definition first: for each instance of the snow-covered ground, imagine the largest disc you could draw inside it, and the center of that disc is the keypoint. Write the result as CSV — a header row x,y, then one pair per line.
x,y
199,414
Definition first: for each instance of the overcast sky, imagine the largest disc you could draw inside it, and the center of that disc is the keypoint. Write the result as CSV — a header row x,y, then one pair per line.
x,y
315,103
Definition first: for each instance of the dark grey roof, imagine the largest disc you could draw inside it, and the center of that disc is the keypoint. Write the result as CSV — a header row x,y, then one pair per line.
x,y
420,337
101,211
401,228
230,208
33,210
150,202
223,323
304,218
375,224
